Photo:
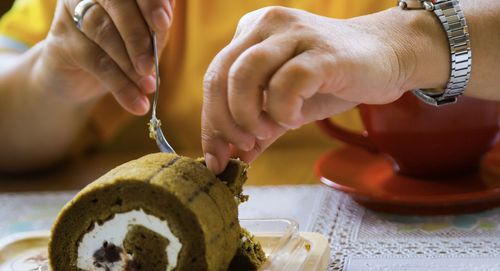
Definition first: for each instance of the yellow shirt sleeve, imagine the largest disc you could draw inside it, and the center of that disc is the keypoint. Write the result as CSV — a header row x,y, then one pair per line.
x,y
25,24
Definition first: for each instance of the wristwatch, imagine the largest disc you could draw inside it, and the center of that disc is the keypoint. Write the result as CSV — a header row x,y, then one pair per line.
x,y
452,18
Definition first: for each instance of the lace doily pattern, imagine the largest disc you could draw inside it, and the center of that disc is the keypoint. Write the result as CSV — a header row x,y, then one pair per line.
x,y
427,264
366,240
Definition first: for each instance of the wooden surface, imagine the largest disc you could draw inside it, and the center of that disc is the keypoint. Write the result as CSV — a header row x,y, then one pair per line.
x,y
277,167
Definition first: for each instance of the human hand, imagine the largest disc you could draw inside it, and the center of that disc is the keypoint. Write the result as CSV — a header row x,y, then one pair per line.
x,y
285,68
112,53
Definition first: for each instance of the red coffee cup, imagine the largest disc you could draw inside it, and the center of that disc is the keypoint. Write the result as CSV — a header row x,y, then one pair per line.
x,y
424,141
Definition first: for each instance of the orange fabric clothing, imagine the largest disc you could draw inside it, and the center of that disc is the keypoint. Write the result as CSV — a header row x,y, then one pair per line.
x,y
27,23
201,29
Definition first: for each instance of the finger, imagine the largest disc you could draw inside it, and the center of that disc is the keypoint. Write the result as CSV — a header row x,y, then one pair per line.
x,y
217,122
92,59
296,81
134,32
322,106
99,28
249,76
259,147
219,130
217,152
158,15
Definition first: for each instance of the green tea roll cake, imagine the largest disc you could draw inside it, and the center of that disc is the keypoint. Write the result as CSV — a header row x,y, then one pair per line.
x,y
250,255
159,212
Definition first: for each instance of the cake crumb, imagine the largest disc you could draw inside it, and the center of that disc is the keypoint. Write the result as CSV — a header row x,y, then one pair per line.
x,y
241,198
152,126
308,247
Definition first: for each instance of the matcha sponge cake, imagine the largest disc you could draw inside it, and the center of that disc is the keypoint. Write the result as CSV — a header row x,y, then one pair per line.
x,y
160,212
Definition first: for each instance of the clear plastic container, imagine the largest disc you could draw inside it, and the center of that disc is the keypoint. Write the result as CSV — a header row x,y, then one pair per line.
x,y
286,248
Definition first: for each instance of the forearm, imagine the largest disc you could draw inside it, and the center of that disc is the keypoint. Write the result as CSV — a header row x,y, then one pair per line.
x,y
483,18
37,128
424,51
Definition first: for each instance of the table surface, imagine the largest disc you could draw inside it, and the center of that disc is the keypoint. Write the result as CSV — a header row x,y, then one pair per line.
x,y
360,240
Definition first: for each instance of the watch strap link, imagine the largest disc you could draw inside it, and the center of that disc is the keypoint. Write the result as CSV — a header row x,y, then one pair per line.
x,y
452,18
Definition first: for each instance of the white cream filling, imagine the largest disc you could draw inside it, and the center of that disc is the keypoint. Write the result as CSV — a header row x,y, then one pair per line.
x,y
115,230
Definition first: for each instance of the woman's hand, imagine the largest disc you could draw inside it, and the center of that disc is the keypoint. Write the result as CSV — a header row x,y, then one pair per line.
x,y
112,53
285,68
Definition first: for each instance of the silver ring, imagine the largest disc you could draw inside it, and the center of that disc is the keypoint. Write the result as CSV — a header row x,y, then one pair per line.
x,y
80,10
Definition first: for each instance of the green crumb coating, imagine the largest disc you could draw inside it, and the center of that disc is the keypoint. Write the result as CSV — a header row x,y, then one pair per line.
x,y
249,256
147,248
234,176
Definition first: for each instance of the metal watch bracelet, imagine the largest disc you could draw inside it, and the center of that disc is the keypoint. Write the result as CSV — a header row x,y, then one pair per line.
x,y
452,18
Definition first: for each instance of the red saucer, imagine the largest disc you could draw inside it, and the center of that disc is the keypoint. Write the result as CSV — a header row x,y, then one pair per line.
x,y
370,180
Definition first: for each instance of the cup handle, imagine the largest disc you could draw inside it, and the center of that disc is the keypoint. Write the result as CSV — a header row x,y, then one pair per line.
x,y
342,134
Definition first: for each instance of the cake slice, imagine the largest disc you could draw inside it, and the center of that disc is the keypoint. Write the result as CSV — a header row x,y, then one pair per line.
x,y
159,212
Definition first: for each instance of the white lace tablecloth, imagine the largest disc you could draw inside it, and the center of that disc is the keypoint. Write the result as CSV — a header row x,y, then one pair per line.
x,y
360,240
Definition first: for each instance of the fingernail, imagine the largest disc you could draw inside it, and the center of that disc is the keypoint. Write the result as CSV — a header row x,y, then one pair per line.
x,y
144,65
141,105
212,163
288,126
264,135
148,84
245,147
170,11
160,19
